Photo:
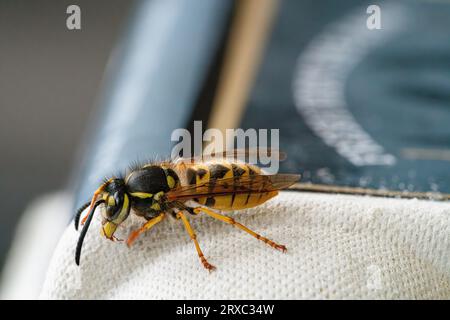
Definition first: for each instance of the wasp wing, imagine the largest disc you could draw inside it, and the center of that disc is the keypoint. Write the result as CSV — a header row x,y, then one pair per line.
x,y
240,154
235,185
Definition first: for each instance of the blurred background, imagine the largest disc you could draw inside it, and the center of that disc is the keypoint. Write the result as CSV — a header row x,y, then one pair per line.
x,y
355,106
49,80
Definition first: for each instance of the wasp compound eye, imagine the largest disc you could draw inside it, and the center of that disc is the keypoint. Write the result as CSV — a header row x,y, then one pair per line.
x,y
114,205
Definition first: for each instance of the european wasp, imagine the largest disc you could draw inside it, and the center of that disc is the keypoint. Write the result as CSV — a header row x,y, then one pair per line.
x,y
181,188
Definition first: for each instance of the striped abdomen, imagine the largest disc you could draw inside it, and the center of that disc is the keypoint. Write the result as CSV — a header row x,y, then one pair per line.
x,y
214,171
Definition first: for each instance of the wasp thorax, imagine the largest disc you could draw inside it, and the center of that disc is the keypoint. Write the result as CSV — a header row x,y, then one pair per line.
x,y
150,179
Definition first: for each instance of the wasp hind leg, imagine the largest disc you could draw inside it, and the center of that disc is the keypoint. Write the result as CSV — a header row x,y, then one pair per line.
x,y
193,236
146,226
232,222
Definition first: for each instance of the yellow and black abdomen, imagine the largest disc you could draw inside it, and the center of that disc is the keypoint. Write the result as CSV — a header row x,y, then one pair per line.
x,y
215,171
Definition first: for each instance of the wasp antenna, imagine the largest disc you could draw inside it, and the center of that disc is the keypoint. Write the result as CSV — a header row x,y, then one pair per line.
x,y
78,213
84,231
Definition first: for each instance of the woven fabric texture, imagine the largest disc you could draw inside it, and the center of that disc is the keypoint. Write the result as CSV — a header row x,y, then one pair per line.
x,y
339,247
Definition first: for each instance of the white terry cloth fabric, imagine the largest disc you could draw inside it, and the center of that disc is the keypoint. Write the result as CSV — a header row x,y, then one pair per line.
x,y
339,247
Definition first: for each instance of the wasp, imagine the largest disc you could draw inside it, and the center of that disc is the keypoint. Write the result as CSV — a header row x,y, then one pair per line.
x,y
179,189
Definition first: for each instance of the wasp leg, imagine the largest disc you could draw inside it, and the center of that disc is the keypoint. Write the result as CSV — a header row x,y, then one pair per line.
x,y
148,225
231,221
193,236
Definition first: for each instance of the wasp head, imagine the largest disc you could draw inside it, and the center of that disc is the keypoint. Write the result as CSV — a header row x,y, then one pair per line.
x,y
113,195
117,206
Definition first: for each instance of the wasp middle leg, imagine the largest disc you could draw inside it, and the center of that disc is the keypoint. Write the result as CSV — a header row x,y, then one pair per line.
x,y
193,236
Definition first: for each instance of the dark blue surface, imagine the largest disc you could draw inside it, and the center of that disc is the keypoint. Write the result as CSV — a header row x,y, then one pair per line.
x,y
397,91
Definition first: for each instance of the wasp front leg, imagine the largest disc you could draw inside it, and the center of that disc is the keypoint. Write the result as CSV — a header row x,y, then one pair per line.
x,y
146,226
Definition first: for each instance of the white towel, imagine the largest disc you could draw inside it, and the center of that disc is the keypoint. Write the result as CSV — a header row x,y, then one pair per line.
x,y
339,247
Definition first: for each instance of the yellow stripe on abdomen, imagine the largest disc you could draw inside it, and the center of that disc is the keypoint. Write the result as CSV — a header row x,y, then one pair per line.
x,y
198,174
220,171
241,201
225,170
